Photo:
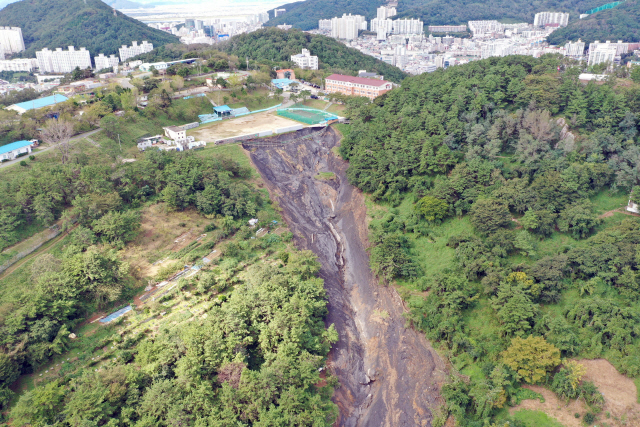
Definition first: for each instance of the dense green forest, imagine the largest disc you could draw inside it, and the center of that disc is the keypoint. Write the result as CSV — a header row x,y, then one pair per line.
x,y
495,176
253,354
620,23
79,23
272,44
305,15
254,357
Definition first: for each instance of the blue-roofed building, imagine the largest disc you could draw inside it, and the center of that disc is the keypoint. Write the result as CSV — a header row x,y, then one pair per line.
x,y
283,84
222,111
23,107
14,150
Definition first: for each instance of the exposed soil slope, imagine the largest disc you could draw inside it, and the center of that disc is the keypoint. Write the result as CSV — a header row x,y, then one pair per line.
x,y
389,374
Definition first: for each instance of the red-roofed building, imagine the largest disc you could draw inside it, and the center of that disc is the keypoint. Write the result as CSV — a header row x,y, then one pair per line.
x,y
356,86
286,74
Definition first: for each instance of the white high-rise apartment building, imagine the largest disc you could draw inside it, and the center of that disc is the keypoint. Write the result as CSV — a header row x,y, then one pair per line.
x,y
127,52
479,28
385,12
408,26
263,17
278,12
103,62
447,28
543,18
621,48
25,64
305,60
63,61
574,49
324,24
348,26
496,48
11,39
382,27
602,52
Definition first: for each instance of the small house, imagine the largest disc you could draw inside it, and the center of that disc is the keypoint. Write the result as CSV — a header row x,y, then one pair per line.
x,y
15,150
175,132
222,111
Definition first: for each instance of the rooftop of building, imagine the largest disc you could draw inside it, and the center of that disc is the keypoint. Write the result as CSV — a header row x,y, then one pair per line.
x,y
357,80
41,102
222,109
14,146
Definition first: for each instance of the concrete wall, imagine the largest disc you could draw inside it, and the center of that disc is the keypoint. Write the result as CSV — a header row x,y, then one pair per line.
x,y
289,129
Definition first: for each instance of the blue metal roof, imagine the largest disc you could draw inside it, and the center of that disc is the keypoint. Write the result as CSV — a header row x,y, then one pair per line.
x,y
280,83
222,109
14,146
42,102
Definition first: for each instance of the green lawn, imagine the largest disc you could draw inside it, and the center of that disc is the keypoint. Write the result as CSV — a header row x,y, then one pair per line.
x,y
606,201
535,419
337,109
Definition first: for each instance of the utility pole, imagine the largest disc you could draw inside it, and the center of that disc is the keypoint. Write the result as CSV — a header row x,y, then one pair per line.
x,y
119,143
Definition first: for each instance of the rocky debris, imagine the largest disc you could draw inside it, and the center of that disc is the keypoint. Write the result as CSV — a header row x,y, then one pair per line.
x,y
403,388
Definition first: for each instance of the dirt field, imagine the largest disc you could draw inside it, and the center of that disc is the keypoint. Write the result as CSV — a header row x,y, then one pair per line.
x,y
161,231
252,123
620,396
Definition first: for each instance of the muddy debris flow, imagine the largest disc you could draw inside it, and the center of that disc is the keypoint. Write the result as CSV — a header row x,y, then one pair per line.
x,y
389,375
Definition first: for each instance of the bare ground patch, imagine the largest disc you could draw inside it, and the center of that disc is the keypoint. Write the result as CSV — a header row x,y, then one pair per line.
x,y
161,231
253,123
620,396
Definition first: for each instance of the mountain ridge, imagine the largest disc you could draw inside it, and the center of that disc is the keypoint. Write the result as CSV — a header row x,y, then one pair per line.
x,y
305,15
620,23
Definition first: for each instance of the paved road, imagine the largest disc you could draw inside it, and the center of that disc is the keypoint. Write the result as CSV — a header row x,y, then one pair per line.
x,y
45,149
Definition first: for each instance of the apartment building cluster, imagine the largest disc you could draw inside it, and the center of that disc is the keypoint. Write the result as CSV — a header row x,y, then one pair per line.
x,y
135,49
210,31
348,26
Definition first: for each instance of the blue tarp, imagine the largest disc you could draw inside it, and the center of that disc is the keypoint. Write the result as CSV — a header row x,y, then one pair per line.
x,y
114,316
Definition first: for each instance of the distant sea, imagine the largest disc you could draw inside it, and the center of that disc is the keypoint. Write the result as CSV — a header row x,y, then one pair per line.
x,y
222,9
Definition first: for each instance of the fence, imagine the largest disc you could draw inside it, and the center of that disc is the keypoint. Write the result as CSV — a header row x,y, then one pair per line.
x,y
198,95
310,116
210,118
17,257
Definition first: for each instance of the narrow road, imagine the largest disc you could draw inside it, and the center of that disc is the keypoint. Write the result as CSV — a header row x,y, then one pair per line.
x,y
45,149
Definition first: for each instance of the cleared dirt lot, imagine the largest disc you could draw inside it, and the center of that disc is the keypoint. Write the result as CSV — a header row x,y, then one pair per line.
x,y
253,123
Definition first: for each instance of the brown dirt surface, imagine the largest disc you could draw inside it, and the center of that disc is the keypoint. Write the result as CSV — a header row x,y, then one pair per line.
x,y
158,233
620,396
389,374
245,125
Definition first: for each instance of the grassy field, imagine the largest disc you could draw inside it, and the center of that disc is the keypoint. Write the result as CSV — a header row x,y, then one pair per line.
x,y
535,419
255,100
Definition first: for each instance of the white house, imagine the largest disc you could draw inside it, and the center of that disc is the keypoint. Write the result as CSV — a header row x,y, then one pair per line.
x,y
145,143
175,132
14,150
631,207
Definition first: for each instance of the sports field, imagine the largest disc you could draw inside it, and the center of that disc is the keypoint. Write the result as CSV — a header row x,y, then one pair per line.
x,y
252,123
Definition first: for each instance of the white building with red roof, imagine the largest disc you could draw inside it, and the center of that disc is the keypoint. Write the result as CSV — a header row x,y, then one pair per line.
x,y
356,86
